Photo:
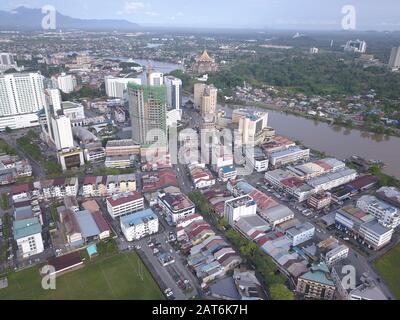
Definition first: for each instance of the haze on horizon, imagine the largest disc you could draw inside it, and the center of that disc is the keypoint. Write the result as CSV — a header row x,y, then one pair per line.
x,y
273,14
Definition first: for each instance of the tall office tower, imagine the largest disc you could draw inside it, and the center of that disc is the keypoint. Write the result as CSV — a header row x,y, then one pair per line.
x,y
21,93
155,78
116,87
53,104
205,98
357,46
394,61
198,94
148,110
174,92
7,61
65,82
53,98
62,131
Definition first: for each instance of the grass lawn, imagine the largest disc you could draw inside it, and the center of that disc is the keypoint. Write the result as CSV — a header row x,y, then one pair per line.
x,y
116,277
388,267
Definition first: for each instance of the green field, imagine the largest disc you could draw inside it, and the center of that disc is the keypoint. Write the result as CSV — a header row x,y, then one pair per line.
x,y
116,277
388,267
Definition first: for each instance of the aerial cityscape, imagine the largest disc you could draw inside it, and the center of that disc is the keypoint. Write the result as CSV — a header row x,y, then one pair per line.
x,y
149,152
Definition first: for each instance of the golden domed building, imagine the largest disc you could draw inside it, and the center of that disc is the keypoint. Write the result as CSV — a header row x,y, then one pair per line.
x,y
204,64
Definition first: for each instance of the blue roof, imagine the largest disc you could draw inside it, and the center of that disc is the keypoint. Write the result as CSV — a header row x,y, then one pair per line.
x,y
138,217
285,151
227,169
91,250
87,224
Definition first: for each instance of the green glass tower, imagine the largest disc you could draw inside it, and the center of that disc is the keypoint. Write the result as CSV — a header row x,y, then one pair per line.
x,y
148,111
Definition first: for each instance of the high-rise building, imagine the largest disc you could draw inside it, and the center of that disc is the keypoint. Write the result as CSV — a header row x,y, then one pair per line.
x,y
21,97
62,131
357,46
205,99
21,93
148,110
155,78
174,92
53,99
7,62
65,82
115,87
394,61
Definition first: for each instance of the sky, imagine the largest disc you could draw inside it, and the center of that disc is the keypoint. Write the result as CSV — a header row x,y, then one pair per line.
x,y
274,14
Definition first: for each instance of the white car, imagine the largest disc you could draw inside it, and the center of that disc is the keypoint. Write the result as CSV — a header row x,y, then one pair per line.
x,y
170,293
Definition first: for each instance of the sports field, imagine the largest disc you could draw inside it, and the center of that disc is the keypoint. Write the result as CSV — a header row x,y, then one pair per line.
x,y
388,267
122,276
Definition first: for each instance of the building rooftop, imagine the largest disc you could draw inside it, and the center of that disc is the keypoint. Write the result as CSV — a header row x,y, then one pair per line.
x,y
319,274
121,143
138,218
285,152
376,227
354,213
26,227
87,224
123,198
390,194
277,213
300,229
331,176
377,204
176,201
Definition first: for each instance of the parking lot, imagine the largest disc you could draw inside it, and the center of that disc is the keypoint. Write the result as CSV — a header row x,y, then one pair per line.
x,y
174,275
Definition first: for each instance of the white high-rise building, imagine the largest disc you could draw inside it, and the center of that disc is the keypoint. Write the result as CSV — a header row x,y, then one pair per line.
x,y
21,97
115,87
174,92
394,61
66,83
155,78
7,61
53,98
62,132
240,207
357,46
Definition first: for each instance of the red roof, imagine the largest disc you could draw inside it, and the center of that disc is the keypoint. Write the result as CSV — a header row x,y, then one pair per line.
x,y
159,180
25,187
292,182
100,221
255,234
21,204
263,201
324,165
198,230
263,240
66,261
124,199
363,182
89,180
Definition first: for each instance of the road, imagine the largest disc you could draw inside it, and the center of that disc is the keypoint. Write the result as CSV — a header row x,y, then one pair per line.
x,y
11,139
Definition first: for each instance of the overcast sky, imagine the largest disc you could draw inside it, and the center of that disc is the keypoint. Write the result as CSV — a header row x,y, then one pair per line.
x,y
278,14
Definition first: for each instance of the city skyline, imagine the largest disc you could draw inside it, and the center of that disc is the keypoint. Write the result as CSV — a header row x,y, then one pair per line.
x,y
258,14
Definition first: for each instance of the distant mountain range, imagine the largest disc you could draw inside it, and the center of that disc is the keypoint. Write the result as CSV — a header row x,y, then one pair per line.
x,y
24,18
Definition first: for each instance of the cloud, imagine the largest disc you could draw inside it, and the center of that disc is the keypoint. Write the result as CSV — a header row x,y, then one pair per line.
x,y
131,7
152,14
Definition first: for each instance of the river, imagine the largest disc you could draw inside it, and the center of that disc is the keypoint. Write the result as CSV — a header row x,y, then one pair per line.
x,y
337,141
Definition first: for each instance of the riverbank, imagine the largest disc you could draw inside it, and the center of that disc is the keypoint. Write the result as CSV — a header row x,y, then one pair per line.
x,y
392,132
337,141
